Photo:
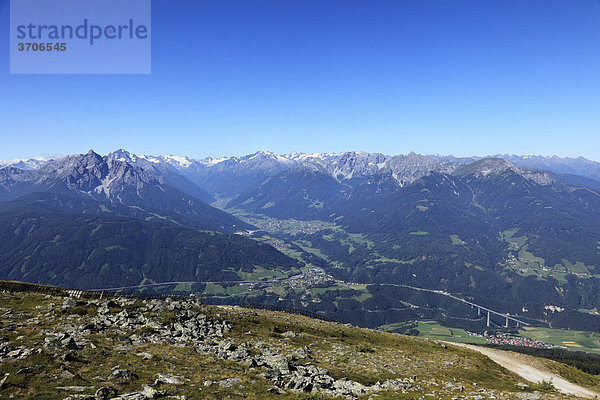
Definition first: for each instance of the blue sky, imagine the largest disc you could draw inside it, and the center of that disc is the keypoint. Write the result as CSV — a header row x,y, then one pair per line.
x,y
462,77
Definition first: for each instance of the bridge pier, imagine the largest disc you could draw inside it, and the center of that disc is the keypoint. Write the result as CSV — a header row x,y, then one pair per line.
x,y
507,322
488,320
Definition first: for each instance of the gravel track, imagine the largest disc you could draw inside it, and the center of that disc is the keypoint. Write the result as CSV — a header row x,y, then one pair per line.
x,y
525,368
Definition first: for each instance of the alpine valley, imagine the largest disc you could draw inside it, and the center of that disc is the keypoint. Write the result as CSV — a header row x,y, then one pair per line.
x,y
352,236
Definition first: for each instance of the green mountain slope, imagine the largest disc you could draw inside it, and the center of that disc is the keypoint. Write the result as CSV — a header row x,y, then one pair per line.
x,y
299,192
510,238
92,251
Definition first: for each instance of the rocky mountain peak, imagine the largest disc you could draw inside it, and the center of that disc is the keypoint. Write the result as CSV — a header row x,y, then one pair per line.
x,y
122,155
492,166
95,175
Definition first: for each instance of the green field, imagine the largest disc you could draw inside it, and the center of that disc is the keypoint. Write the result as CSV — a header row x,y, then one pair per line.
x,y
578,267
433,330
516,241
183,287
261,273
216,289
456,240
526,263
574,340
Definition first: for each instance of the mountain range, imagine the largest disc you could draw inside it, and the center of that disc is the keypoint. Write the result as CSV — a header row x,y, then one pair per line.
x,y
119,184
512,232
344,166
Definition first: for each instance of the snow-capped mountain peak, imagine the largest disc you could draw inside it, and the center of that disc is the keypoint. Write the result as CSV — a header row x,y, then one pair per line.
x,y
177,161
32,163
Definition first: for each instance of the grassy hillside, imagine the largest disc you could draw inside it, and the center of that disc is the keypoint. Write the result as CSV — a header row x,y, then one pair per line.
x,y
54,347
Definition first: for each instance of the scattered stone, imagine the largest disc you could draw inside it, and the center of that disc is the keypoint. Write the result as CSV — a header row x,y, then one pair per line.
x,y
277,362
144,355
8,352
80,397
69,303
4,379
309,379
74,388
301,353
229,382
69,356
131,396
152,393
121,374
66,374
275,390
168,379
105,393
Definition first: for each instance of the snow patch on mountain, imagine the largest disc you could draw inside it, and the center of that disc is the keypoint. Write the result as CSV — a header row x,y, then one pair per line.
x,y
176,161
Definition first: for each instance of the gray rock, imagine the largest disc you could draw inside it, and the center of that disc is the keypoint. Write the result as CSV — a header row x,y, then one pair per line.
x,y
301,353
105,393
277,362
121,374
69,303
3,380
396,384
347,387
522,385
131,396
168,379
74,388
144,355
152,393
309,379
70,343
66,374
275,390
69,356
229,382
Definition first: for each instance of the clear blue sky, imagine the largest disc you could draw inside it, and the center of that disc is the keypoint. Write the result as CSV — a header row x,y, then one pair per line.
x,y
462,77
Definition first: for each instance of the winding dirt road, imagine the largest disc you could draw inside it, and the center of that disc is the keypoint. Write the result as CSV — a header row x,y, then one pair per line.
x,y
525,368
